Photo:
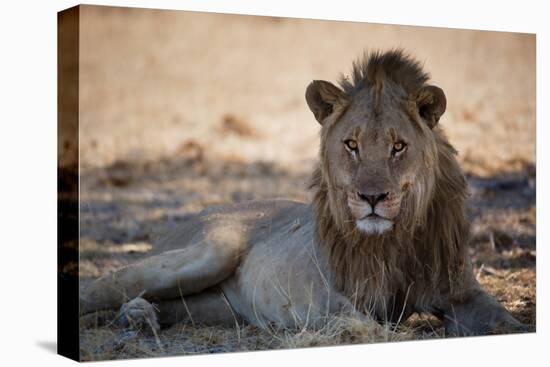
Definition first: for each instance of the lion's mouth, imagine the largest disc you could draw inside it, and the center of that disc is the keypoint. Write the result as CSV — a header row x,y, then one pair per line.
x,y
372,215
374,224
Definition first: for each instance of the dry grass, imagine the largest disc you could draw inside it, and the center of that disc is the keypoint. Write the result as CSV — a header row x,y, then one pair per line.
x,y
174,119
100,343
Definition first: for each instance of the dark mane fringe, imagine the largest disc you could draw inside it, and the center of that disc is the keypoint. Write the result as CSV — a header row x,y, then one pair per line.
x,y
375,68
417,259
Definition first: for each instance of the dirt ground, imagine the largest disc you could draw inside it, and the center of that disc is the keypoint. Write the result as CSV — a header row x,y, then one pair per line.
x,y
180,110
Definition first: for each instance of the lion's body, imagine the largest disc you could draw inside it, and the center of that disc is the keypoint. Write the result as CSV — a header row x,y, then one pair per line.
x,y
282,279
385,235
271,271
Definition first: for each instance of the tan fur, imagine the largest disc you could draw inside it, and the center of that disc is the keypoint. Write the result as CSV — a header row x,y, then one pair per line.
x,y
294,265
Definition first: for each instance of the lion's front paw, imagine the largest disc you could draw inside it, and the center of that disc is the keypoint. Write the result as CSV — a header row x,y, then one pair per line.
x,y
139,315
509,325
479,321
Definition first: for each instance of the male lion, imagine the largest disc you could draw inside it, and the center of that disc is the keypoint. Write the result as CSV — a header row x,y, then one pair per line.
x,y
386,234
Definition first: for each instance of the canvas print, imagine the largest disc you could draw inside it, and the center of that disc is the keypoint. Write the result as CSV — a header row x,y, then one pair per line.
x,y
235,183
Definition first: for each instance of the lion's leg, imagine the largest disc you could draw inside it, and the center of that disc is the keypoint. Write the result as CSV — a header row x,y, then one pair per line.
x,y
167,275
207,308
479,314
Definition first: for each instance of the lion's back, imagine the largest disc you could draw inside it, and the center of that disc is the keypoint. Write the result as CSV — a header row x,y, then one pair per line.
x,y
253,220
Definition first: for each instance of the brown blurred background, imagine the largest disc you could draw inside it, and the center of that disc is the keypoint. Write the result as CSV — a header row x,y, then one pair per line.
x,y
152,79
181,110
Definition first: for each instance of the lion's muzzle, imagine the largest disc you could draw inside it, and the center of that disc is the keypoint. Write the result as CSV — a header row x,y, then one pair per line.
x,y
374,213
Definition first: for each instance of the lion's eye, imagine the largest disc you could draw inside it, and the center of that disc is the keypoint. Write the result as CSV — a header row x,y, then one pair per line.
x,y
351,144
398,147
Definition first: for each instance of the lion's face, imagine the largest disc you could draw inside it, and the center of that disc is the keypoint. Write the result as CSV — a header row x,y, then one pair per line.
x,y
374,160
376,150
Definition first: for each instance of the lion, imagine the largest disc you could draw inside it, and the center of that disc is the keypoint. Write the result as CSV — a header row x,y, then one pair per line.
x,y
385,235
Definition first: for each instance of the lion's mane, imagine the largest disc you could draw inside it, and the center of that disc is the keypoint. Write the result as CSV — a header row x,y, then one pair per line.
x,y
427,248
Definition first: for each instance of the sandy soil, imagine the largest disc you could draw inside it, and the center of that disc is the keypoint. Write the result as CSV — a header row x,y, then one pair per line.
x,y
180,110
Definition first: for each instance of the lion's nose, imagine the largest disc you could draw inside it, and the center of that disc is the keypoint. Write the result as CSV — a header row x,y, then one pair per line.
x,y
373,199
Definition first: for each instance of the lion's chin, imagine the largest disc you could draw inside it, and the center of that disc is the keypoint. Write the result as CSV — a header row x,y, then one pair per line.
x,y
374,225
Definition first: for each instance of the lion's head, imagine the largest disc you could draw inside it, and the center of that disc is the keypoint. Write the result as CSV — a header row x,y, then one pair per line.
x,y
378,145
389,195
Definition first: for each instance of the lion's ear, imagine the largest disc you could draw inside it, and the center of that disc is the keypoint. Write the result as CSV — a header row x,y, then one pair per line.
x,y
322,97
431,102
